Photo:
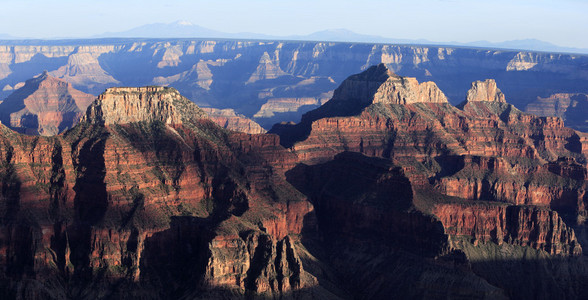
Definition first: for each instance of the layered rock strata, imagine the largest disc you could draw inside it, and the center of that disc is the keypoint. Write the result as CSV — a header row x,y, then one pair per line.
x,y
376,126
45,105
485,91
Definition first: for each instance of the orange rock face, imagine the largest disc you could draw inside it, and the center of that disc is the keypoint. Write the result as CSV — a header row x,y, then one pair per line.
x,y
530,226
485,91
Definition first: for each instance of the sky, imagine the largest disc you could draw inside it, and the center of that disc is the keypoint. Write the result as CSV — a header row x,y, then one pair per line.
x,y
562,22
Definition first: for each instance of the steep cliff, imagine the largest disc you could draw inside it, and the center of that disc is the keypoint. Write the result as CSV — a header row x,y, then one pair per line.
x,y
133,105
485,91
45,105
571,107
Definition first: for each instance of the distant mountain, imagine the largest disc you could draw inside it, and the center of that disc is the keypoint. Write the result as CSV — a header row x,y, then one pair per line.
x,y
184,29
178,29
339,35
527,44
4,36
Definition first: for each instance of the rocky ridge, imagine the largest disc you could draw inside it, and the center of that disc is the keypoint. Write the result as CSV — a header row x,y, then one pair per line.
x,y
45,105
132,105
383,128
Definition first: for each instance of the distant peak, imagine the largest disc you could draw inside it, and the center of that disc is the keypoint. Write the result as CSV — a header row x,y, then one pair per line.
x,y
43,75
338,30
394,89
486,90
379,72
183,23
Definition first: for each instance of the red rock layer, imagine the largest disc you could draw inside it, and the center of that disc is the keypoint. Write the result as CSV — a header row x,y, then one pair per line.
x,y
531,226
439,129
557,184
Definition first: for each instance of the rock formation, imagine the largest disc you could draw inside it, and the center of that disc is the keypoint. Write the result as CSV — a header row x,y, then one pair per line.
x,y
45,105
133,105
227,118
571,107
485,91
268,80
384,128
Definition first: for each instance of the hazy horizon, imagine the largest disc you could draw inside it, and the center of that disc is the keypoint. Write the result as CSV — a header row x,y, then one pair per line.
x,y
559,22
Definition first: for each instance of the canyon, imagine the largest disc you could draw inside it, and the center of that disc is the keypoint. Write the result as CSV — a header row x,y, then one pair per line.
x,y
278,81
386,190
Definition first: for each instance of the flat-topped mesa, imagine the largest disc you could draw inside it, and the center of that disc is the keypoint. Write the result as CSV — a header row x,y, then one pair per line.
x,y
486,90
123,105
